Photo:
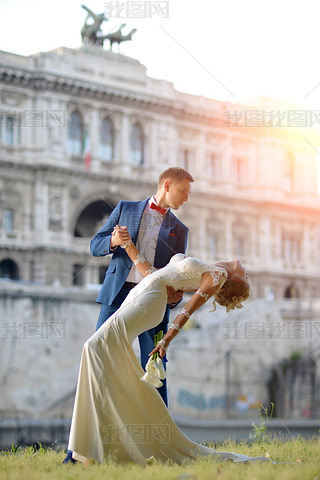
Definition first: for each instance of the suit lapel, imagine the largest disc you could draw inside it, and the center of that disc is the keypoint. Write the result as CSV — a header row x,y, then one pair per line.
x,y
135,219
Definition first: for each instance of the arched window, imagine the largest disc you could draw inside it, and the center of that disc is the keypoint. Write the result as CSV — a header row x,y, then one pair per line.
x,y
137,145
91,218
106,144
9,269
75,133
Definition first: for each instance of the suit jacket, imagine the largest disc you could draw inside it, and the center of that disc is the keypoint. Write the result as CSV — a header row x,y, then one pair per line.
x,y
172,239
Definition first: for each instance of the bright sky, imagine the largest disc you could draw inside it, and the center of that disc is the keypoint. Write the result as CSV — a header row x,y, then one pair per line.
x,y
228,50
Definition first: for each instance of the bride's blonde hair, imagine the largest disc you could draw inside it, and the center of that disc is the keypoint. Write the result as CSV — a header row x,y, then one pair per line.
x,y
235,290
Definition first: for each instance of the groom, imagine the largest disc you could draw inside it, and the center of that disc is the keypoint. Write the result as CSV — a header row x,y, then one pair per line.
x,y
158,235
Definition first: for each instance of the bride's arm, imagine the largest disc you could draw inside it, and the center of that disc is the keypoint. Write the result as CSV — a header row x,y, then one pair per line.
x,y
199,298
140,262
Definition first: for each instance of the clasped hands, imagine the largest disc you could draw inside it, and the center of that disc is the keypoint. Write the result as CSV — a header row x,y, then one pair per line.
x,y
119,236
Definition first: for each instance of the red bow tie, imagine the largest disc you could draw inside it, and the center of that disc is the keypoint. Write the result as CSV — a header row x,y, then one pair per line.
x,y
159,209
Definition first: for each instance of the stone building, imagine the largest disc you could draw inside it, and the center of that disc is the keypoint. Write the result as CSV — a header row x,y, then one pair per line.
x,y
83,128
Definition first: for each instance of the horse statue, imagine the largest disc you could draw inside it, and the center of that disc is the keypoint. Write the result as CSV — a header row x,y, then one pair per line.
x,y
91,32
118,37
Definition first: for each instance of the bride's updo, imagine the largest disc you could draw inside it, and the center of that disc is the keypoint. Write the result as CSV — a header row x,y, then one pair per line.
x,y
235,290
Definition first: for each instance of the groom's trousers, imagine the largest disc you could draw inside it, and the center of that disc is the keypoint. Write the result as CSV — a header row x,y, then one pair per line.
x,y
146,339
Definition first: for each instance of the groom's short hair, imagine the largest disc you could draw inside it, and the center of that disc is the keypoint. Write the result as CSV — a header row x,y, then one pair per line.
x,y
174,174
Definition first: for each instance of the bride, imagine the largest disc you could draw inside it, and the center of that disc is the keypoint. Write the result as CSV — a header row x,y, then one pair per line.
x,y
117,416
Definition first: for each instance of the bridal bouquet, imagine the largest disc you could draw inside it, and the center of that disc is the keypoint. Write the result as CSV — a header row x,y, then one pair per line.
x,y
155,371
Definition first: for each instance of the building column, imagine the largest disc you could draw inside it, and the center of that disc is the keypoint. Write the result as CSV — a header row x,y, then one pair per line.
x,y
265,242
228,236
94,130
305,246
124,141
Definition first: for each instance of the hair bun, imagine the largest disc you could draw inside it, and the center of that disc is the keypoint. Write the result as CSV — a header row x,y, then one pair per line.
x,y
235,303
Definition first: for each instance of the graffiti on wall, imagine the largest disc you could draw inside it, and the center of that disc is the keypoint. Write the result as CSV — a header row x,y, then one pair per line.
x,y
200,402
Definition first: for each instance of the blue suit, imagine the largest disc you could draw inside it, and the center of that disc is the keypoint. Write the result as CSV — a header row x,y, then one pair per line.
x,y
172,239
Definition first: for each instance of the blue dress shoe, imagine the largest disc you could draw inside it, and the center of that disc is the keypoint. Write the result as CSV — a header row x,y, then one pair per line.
x,y
69,458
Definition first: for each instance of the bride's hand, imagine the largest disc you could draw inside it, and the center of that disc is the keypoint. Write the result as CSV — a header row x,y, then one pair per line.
x,y
174,296
159,349
119,236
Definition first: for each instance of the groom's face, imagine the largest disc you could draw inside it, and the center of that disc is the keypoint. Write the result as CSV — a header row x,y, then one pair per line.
x,y
178,193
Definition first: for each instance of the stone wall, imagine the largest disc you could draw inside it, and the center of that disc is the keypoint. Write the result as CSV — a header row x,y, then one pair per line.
x,y
42,333
219,367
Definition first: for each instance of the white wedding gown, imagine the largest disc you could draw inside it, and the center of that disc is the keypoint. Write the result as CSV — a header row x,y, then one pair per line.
x,y
116,415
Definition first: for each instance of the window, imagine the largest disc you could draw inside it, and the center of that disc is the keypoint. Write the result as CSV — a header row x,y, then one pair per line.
x,y
106,140
137,145
290,249
239,166
8,220
291,291
75,133
78,275
10,129
213,245
9,269
213,166
186,159
239,247
9,132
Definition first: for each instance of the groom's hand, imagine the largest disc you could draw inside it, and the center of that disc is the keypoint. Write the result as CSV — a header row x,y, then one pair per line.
x,y
119,236
174,296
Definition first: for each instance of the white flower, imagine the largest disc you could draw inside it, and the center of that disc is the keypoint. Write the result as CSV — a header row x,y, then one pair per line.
x,y
163,373
154,372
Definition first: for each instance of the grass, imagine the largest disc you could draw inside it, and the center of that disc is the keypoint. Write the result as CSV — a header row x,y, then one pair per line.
x,y
296,459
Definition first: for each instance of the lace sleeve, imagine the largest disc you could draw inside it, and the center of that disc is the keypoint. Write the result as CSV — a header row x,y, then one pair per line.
x,y
219,276
138,259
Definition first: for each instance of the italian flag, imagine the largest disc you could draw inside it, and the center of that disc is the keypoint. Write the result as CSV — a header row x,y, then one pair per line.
x,y
86,149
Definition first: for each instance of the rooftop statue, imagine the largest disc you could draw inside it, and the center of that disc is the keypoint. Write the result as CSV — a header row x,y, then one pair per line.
x,y
118,37
91,32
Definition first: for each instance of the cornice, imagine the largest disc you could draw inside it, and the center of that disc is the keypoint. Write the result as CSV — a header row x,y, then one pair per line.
x,y
41,82
69,170
261,204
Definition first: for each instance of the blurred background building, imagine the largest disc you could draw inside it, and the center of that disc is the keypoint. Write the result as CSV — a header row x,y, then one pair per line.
x,y
84,128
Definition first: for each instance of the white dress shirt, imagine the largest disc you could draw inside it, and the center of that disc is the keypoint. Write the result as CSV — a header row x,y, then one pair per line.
x,y
150,225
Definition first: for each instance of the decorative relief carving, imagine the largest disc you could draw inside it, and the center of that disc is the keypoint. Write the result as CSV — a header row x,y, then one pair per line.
x,y
188,134
11,99
55,210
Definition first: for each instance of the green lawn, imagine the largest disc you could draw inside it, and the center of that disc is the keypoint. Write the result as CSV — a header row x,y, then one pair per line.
x,y
298,459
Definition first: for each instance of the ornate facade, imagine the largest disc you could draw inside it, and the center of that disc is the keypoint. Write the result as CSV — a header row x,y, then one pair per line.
x,y
255,192
82,129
